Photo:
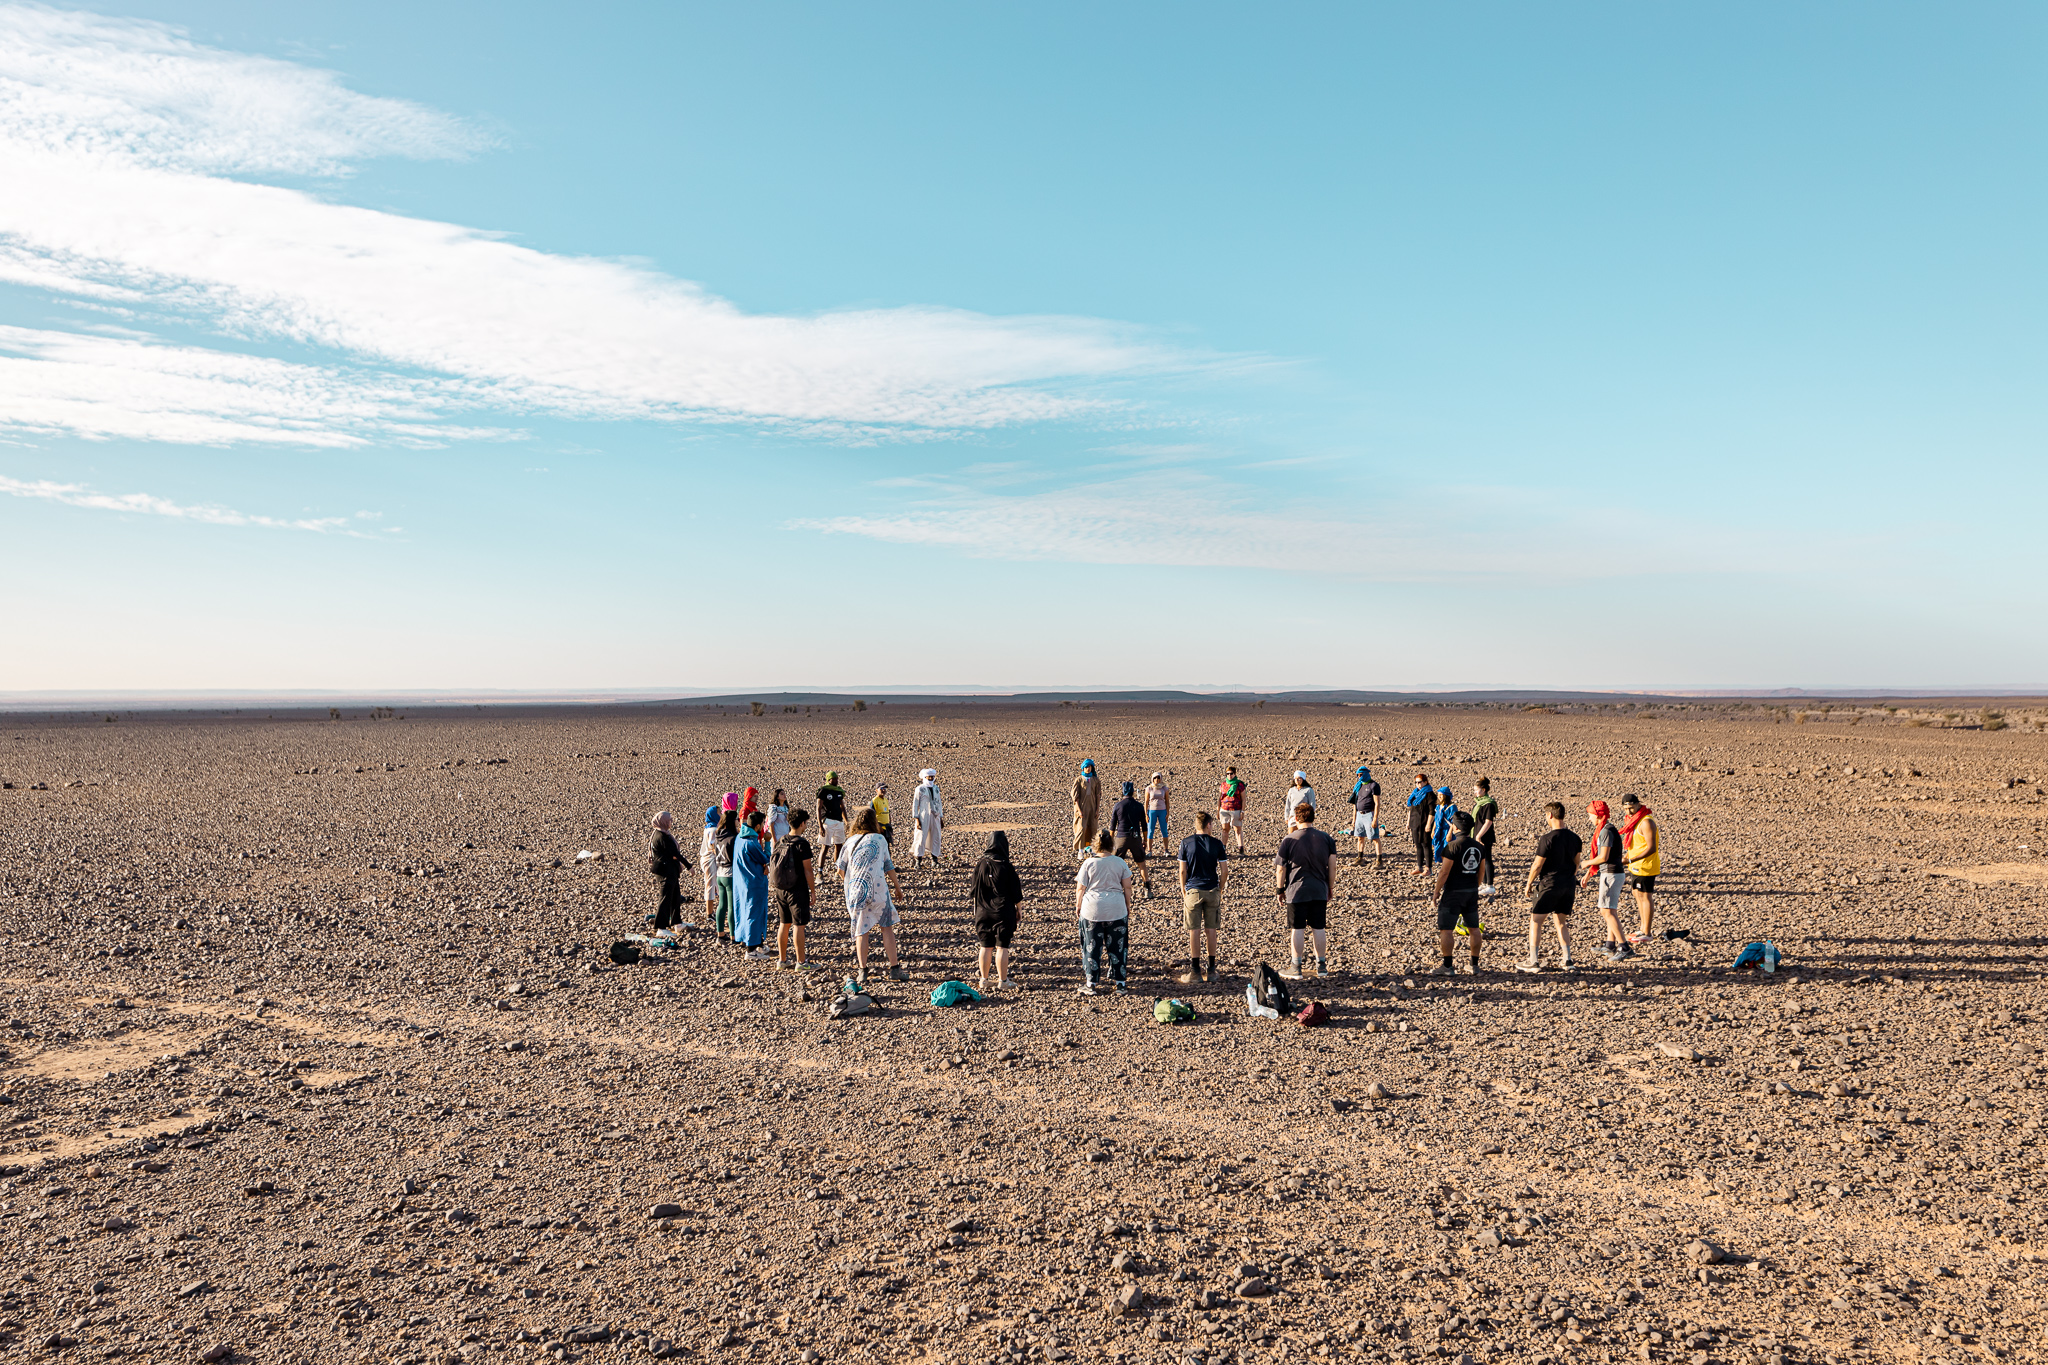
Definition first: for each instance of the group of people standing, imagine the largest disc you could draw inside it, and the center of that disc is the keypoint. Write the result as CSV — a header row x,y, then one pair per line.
x,y
760,869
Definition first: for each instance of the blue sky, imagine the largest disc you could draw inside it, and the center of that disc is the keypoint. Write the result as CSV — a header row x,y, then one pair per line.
x,y
529,347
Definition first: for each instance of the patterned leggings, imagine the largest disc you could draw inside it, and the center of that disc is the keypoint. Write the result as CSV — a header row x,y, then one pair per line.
x,y
1111,936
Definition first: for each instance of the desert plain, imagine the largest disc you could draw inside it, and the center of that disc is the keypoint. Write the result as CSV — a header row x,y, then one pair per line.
x,y
313,1051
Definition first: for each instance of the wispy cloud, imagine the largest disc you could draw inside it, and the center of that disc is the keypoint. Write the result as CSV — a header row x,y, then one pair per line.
x,y
1198,521
102,388
148,504
118,141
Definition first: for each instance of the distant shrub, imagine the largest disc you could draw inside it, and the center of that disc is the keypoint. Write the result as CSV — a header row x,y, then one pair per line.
x,y
860,706
756,708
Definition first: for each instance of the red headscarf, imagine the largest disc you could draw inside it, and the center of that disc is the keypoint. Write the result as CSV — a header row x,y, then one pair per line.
x,y
1635,818
750,801
1598,810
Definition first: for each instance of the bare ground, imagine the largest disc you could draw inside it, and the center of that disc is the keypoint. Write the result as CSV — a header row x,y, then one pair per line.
x,y
313,1051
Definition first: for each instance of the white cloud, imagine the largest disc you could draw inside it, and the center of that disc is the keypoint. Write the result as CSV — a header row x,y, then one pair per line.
x,y
116,138
88,87
103,388
1194,521
148,504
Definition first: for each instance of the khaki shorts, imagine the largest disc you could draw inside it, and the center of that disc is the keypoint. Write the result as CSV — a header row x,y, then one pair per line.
x,y
1610,890
1204,909
1230,818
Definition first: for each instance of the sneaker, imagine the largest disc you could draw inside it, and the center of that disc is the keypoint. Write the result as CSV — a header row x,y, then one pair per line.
x,y
1635,939
1623,953
1210,978
1293,972
1442,969
1565,964
898,973
1532,965
1123,988
1190,977
759,955
1322,967
1088,988
804,965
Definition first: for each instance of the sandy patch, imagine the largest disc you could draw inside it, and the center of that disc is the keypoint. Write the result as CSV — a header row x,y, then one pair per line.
x,y
90,1061
91,1144
1994,874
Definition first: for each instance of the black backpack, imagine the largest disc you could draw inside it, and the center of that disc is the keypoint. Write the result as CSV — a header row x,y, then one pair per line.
x,y
1272,990
787,872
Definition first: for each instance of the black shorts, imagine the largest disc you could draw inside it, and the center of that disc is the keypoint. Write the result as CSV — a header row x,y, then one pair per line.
x,y
1646,885
794,907
1456,906
1556,900
995,933
1308,914
1129,847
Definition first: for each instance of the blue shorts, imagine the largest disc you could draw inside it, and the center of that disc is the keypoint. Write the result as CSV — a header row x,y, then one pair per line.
x,y
1155,823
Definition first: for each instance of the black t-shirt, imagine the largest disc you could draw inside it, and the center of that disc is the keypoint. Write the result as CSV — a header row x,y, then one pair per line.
x,y
1202,852
1127,816
1365,798
1485,812
1559,849
787,874
1466,856
831,803
1306,855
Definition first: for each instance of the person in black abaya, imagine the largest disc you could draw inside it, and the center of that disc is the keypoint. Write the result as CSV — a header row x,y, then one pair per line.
x,y
666,861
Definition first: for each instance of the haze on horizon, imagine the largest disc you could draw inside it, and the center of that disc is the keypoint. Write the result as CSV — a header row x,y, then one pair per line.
x,y
365,347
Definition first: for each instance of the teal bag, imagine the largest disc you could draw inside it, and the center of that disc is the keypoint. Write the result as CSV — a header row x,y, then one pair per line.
x,y
953,993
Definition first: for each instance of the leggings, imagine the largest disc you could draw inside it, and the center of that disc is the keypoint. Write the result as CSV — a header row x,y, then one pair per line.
x,y
724,917
1100,936
1421,838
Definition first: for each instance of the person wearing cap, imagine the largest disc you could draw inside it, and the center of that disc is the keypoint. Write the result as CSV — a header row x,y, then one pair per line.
x,y
1158,806
1642,852
1127,826
1299,795
1486,823
1458,875
1230,806
1087,794
928,811
831,820
1603,860
1365,802
666,861
879,804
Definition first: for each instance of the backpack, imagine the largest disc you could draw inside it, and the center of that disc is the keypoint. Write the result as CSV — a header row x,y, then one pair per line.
x,y
1271,991
1173,1012
786,873
848,1006
625,954
1312,1015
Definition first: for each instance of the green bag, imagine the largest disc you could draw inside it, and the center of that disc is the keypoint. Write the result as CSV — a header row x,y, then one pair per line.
x,y
1173,1012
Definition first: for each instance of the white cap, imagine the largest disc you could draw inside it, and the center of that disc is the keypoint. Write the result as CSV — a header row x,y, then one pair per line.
x,y
1300,774
929,772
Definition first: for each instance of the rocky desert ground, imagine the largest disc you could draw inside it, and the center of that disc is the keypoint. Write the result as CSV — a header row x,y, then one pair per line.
x,y
313,1052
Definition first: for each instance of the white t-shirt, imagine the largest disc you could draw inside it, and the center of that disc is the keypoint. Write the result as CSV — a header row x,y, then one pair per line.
x,y
1297,796
1101,880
